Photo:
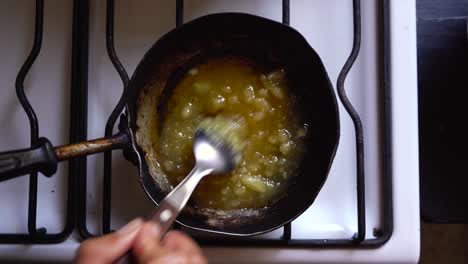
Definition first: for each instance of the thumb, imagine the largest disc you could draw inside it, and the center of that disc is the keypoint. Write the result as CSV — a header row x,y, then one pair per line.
x,y
147,247
108,248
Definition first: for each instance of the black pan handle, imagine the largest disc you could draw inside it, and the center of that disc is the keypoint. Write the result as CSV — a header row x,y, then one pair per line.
x,y
41,157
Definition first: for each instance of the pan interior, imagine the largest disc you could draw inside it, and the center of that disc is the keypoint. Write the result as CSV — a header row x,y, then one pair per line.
x,y
269,43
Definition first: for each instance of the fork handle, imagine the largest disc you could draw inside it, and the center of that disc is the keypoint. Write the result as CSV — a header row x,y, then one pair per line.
x,y
170,207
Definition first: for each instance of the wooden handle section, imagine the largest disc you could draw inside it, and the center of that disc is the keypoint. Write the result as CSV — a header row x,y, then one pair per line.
x,y
91,147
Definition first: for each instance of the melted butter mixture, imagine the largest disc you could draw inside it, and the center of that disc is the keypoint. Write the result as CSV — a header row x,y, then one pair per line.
x,y
259,103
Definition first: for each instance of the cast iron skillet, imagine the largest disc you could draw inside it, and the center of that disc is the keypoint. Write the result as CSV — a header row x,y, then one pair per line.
x,y
270,43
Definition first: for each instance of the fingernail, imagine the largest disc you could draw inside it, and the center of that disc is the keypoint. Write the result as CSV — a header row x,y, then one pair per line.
x,y
130,227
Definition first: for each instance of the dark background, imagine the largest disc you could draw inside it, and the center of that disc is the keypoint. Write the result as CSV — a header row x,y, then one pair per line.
x,y
443,81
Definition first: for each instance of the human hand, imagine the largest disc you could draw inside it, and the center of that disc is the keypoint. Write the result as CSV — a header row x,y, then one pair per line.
x,y
143,239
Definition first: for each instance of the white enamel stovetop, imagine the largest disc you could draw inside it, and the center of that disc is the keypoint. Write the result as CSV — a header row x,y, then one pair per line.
x,y
326,24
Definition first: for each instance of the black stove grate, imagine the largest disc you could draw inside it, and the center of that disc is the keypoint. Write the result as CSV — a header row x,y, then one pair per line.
x,y
78,132
39,235
359,238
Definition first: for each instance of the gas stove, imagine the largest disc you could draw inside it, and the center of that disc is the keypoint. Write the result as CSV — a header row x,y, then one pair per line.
x,y
368,209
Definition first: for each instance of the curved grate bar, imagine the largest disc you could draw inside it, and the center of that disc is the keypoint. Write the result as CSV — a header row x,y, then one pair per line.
x,y
39,22
114,115
361,234
37,235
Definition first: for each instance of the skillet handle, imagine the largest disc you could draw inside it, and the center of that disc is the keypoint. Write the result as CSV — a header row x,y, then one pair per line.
x,y
116,141
41,157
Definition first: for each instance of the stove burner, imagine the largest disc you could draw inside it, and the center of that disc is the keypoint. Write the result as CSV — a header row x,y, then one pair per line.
x,y
76,200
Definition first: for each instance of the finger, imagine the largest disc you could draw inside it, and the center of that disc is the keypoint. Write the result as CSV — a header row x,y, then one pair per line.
x,y
178,241
147,247
108,248
176,258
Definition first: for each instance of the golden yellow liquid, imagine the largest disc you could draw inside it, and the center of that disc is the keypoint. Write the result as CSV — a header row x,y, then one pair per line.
x,y
234,87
